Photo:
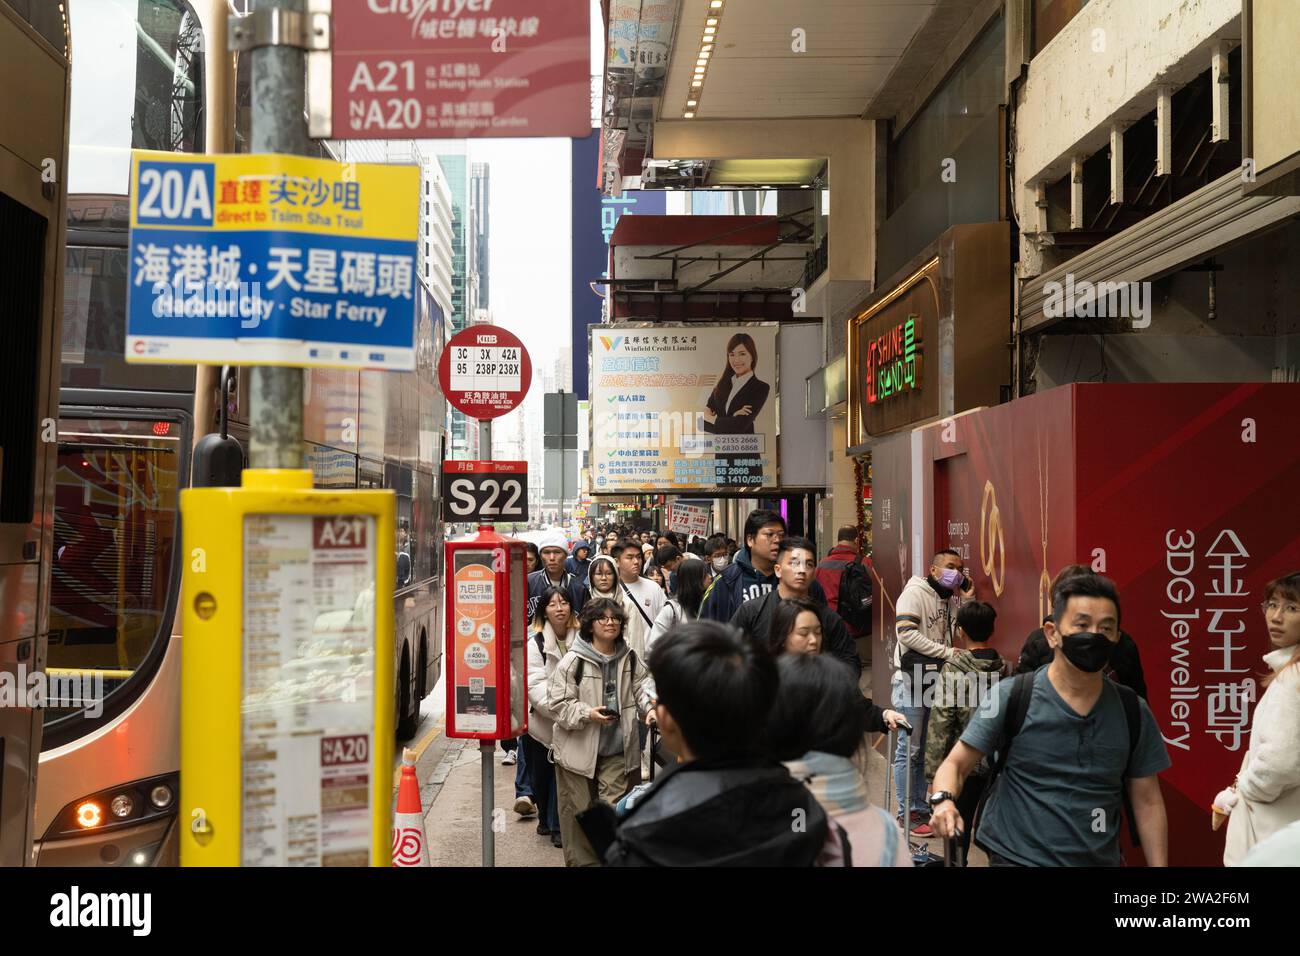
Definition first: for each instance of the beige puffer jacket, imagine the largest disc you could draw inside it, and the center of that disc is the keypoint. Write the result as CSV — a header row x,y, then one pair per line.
x,y
576,737
541,665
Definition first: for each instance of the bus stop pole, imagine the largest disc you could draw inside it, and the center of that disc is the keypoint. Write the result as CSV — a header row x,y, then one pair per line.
x,y
487,748
279,125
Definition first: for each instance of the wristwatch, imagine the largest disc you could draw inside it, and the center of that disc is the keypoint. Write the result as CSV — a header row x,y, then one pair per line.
x,y
938,797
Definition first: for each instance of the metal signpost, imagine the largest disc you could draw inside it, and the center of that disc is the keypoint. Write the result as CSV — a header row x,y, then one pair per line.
x,y
485,372
286,718
560,443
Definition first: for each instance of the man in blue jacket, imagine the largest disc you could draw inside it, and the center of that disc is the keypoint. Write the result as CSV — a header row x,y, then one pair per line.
x,y
580,560
753,572
553,550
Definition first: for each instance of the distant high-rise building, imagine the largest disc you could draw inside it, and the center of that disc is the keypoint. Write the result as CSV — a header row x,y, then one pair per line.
x,y
479,202
562,375
467,186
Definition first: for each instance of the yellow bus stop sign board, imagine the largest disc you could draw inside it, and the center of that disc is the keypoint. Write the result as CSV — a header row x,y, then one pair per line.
x,y
287,674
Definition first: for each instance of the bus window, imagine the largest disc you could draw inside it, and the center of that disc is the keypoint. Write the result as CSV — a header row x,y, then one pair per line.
x,y
115,527
94,327
144,90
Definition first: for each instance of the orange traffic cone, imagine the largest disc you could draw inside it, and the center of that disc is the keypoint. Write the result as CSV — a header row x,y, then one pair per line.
x,y
409,846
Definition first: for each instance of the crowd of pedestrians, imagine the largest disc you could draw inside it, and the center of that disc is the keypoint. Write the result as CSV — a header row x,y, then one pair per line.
x,y
739,664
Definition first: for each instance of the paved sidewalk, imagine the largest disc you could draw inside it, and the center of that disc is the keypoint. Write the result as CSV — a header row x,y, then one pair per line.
x,y
453,819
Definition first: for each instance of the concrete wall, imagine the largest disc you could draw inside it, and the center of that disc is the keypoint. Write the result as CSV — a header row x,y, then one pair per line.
x,y
1253,337
1104,67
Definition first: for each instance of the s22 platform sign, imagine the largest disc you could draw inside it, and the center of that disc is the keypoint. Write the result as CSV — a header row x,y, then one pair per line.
x,y
269,259
433,69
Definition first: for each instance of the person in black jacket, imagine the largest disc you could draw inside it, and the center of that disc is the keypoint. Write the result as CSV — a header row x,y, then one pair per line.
x,y
1125,665
739,395
795,562
731,409
726,803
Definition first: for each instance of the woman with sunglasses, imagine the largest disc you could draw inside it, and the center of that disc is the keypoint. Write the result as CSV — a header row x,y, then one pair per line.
x,y
599,693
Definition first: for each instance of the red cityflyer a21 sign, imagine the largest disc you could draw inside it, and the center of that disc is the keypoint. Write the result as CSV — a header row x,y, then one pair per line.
x,y
461,68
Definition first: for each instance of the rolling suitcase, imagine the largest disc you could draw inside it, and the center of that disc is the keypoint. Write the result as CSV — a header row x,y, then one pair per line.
x,y
921,855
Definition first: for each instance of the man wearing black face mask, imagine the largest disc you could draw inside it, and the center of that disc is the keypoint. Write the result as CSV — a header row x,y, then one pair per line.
x,y
1071,745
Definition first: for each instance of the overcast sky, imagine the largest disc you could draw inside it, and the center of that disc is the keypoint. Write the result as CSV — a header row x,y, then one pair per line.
x,y
531,231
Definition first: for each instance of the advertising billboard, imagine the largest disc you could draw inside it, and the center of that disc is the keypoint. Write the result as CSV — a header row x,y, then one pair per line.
x,y
684,407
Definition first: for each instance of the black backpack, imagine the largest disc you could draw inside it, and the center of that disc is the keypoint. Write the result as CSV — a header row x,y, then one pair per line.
x,y
855,597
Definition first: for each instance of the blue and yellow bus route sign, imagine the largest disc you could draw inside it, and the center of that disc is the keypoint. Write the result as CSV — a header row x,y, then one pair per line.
x,y
272,260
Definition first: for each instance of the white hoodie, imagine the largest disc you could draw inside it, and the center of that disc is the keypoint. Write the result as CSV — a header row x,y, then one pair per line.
x,y
925,621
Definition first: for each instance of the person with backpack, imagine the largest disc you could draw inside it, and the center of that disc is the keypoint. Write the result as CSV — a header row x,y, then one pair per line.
x,y
1072,748
1125,664
817,728
963,683
554,551
555,630
794,569
845,576
599,693
684,606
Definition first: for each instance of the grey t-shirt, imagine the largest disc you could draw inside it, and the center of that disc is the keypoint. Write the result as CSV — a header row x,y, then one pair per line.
x,y
611,734
1064,772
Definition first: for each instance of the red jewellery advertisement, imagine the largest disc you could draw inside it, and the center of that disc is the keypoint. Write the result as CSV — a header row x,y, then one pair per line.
x,y
1184,495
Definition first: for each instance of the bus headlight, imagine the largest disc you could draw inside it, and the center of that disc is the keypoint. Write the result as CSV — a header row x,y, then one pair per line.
x,y
129,804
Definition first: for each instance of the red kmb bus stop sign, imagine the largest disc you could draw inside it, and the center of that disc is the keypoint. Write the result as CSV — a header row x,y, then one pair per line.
x,y
433,69
485,371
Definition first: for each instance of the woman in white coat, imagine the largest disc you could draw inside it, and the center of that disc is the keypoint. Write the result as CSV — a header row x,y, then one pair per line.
x,y
685,605
1265,797
554,631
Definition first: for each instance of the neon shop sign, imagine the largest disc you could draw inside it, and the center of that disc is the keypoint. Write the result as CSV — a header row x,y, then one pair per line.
x,y
894,361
